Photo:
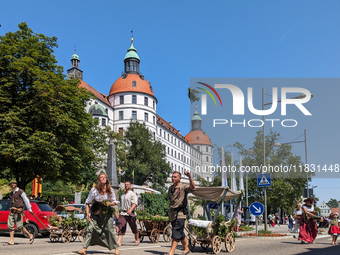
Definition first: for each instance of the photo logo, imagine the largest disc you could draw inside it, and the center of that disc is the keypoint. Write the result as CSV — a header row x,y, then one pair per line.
x,y
204,97
244,96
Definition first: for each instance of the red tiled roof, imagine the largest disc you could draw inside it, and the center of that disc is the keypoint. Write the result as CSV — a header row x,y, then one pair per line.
x,y
125,85
167,126
203,138
97,94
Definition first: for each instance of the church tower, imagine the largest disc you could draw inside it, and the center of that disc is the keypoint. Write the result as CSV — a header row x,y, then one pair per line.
x,y
74,71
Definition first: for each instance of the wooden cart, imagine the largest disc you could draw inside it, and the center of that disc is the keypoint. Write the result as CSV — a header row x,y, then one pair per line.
x,y
67,232
154,229
212,238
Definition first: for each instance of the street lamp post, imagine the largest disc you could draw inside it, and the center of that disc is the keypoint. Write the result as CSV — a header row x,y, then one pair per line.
x,y
305,141
247,153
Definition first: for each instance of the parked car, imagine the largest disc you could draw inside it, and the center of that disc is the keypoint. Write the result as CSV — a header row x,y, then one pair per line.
x,y
78,214
41,209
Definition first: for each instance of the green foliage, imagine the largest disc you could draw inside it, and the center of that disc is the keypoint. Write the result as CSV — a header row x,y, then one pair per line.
x,y
156,204
332,203
286,188
263,232
245,228
202,232
145,156
69,196
192,94
44,128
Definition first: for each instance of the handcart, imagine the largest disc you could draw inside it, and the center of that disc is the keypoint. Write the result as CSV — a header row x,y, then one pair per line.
x,y
153,229
68,231
209,229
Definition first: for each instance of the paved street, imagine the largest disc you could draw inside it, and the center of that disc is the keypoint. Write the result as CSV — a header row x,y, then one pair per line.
x,y
287,245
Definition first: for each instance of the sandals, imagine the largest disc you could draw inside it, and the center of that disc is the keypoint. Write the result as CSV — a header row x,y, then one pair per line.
x,y
32,239
185,253
136,243
8,244
82,252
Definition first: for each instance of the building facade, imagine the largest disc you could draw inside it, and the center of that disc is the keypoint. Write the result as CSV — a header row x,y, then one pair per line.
x,y
131,97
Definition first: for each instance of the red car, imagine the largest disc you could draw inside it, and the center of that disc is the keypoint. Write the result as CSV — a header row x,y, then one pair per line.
x,y
41,209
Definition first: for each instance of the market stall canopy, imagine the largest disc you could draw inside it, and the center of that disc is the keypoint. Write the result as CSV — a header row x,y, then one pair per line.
x,y
214,193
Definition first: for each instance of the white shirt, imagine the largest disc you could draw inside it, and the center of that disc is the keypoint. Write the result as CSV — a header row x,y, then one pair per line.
x,y
309,209
297,212
94,194
128,199
252,218
25,198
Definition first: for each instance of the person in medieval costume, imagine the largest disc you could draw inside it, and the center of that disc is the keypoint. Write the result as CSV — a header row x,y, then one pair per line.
x,y
308,229
19,200
100,229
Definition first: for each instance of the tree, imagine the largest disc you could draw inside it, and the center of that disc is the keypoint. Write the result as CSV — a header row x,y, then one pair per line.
x,y
333,203
145,156
287,187
44,128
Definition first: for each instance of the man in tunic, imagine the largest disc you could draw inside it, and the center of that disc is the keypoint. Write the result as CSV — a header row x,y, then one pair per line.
x,y
19,199
178,209
129,203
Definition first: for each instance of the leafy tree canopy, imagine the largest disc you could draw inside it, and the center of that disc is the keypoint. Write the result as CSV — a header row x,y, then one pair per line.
x,y
145,159
44,129
286,188
333,203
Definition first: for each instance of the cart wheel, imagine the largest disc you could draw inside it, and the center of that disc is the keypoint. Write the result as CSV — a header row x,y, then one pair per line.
x,y
154,236
74,237
141,238
167,234
230,242
81,235
54,238
66,236
216,244
204,246
191,242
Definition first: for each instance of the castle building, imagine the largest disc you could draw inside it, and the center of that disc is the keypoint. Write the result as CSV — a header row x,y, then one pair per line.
x,y
131,96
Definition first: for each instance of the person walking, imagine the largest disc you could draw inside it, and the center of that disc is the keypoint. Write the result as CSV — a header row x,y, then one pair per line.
x,y
178,209
19,200
129,203
334,230
238,217
308,230
297,216
290,222
100,229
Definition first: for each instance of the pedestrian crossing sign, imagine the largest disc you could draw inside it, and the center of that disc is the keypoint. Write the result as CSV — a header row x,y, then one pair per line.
x,y
263,180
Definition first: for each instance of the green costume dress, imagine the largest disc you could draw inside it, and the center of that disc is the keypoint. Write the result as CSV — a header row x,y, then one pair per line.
x,y
100,230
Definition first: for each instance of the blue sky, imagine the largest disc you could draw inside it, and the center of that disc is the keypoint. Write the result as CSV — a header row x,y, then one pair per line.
x,y
179,40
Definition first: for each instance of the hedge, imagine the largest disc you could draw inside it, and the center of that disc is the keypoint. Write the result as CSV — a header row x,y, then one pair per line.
x,y
156,204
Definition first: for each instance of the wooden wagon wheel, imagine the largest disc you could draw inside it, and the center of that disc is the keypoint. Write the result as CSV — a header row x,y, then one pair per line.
x,y
66,236
167,234
191,242
216,244
204,246
154,236
81,235
54,237
230,242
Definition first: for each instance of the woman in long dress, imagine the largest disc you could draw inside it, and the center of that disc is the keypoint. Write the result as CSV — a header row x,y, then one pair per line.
x,y
297,215
100,229
308,229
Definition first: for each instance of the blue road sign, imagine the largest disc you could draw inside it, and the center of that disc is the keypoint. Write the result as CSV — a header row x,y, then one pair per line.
x,y
264,180
256,208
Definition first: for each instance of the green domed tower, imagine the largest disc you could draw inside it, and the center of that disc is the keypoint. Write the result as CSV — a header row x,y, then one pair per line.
x,y
74,71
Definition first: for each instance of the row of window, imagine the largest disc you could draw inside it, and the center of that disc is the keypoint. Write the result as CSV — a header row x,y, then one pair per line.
x,y
134,101
103,121
206,148
134,116
173,140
